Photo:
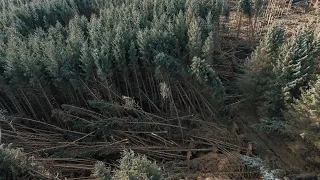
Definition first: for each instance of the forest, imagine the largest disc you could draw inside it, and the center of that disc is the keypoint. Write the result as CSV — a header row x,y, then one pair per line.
x,y
159,89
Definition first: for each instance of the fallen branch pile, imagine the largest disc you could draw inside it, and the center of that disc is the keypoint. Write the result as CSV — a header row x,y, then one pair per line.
x,y
70,151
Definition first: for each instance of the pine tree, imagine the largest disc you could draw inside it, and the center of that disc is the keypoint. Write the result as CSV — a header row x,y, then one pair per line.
x,y
118,48
304,114
138,19
180,31
195,38
87,63
34,56
278,69
14,69
188,15
308,106
259,73
266,54
75,41
205,74
195,7
208,48
143,38
95,31
79,40
103,56
54,50
296,66
133,56
209,20
167,66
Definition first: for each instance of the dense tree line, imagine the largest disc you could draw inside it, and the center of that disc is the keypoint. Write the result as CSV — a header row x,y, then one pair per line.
x,y
128,48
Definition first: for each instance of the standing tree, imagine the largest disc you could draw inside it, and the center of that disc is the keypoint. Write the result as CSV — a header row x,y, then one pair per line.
x,y
195,41
208,48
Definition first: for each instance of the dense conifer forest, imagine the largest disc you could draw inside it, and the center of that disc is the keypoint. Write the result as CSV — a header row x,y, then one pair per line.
x,y
159,89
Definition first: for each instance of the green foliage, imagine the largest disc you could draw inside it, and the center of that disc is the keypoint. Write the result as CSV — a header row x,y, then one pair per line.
x,y
61,54
14,164
258,164
304,116
277,79
208,48
134,166
297,65
101,172
305,113
308,106
259,72
11,163
278,69
206,75
272,125
202,70
195,38
266,54
45,13
167,65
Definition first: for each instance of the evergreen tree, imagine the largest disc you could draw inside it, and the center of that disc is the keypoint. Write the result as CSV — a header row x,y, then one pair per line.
x,y
143,38
95,31
259,73
278,69
119,48
209,20
180,31
304,114
87,63
307,108
76,39
33,62
205,74
208,48
195,38
195,7
296,66
133,56
103,56
14,69
167,66
266,54
54,50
